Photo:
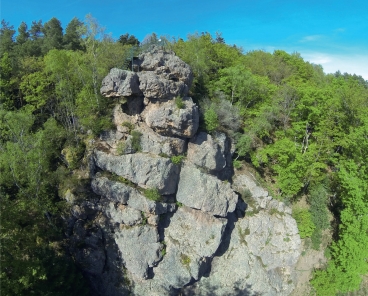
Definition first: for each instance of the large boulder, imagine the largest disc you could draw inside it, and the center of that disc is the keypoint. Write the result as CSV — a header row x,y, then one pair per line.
x,y
120,83
167,119
140,248
205,192
147,171
167,65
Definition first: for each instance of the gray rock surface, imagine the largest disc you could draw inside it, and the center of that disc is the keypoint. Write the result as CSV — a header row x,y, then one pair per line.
x,y
242,269
152,142
167,119
140,248
247,181
120,83
192,238
167,65
205,192
126,195
123,214
147,171
206,151
154,86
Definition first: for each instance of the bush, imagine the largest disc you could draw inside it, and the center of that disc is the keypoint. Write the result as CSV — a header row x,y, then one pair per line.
x,y
304,221
211,120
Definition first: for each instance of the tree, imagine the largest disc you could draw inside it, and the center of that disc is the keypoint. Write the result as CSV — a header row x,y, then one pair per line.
x,y
23,34
53,35
6,38
72,39
127,39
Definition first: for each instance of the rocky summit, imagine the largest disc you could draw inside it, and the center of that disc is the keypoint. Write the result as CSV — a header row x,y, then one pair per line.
x,y
165,218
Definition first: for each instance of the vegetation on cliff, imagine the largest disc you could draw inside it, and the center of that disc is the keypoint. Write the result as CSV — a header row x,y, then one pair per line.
x,y
306,133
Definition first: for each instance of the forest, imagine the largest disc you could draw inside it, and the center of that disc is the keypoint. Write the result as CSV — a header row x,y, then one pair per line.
x,y
304,132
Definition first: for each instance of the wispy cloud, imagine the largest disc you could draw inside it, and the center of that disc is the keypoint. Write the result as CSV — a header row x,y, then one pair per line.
x,y
311,38
350,63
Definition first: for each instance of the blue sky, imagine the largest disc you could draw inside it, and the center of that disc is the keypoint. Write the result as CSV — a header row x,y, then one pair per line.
x,y
331,33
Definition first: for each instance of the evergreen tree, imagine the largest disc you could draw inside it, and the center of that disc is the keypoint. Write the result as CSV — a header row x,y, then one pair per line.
x,y
6,38
53,35
72,39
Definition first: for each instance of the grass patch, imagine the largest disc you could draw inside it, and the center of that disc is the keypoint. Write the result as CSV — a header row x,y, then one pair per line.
x,y
136,140
177,159
120,149
179,102
128,125
152,194
184,259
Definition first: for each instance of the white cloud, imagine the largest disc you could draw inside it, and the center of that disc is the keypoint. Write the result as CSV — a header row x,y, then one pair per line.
x,y
350,63
311,38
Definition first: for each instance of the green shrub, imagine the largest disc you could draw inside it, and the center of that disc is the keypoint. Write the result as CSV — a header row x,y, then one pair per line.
x,y
152,194
179,103
128,125
177,159
304,221
73,154
211,120
237,164
136,140
120,149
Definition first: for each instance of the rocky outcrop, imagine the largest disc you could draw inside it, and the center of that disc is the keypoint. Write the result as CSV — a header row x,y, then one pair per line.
x,y
211,195
142,169
166,118
155,224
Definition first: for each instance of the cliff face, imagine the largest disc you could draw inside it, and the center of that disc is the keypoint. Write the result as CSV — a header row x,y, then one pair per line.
x,y
161,224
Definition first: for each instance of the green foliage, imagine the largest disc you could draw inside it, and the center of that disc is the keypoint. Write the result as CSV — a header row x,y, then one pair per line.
x,y
73,154
177,159
152,194
237,164
120,149
128,125
304,221
136,140
179,103
210,120
185,260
